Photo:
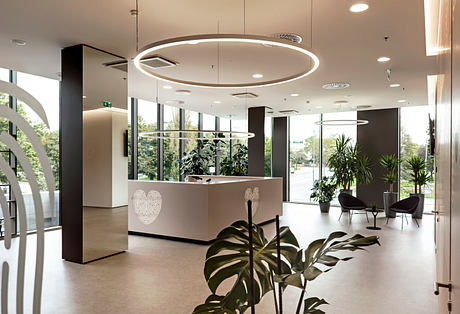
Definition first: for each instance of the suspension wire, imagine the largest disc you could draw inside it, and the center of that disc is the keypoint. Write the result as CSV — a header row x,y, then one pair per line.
x,y
137,26
218,54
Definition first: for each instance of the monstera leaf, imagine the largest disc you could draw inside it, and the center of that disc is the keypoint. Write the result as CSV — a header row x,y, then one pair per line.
x,y
311,305
318,259
229,257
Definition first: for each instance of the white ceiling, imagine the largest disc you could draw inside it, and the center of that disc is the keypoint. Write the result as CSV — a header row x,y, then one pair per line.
x,y
347,44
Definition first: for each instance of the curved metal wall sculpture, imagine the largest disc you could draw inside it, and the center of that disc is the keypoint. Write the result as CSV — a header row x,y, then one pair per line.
x,y
5,138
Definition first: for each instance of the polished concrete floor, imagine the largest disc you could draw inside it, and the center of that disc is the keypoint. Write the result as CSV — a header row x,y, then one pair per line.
x,y
160,276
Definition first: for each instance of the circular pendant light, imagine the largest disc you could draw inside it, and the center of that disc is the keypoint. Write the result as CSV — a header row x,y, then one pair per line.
x,y
226,38
162,134
341,122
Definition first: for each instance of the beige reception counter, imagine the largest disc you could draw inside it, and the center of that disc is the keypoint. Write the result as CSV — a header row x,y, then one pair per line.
x,y
200,210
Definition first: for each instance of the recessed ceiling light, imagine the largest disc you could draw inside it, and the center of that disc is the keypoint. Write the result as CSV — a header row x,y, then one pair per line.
x,y
217,102
257,75
360,6
395,85
402,100
340,102
18,42
319,107
174,102
294,95
167,87
183,92
383,59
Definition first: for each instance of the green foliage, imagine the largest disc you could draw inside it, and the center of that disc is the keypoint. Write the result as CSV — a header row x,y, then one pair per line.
x,y
390,163
197,161
323,190
418,172
50,140
237,165
348,164
268,157
228,259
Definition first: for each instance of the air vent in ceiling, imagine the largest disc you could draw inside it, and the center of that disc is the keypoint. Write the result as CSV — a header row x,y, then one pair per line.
x,y
363,106
119,65
158,62
336,85
288,111
289,37
245,95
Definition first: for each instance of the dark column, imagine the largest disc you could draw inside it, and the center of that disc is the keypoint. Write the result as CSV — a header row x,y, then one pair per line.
x,y
379,137
181,142
256,145
160,146
280,152
71,152
134,135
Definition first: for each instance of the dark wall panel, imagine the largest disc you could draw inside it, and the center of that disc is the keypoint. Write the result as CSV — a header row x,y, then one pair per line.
x,y
379,137
71,177
256,145
280,152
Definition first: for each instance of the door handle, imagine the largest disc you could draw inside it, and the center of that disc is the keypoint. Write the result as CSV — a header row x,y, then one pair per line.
x,y
438,285
435,212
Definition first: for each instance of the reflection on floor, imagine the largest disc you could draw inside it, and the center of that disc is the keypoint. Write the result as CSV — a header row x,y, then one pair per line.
x,y
160,276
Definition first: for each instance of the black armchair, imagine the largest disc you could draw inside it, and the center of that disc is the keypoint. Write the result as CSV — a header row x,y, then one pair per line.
x,y
406,206
351,203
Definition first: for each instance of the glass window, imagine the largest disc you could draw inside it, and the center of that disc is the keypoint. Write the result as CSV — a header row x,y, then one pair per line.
x,y
304,156
241,126
191,123
268,147
171,145
414,139
147,147
330,133
4,74
46,91
225,146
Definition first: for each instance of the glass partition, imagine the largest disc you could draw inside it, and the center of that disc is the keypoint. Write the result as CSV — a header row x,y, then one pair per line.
x,y
171,145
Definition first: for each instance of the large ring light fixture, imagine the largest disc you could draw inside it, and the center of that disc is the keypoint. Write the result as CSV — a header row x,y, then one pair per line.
x,y
341,122
225,38
234,135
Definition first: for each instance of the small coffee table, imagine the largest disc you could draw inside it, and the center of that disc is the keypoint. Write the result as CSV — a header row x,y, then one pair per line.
x,y
374,211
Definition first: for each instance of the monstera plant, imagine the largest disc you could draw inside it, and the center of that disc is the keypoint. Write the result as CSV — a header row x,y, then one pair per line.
x,y
228,260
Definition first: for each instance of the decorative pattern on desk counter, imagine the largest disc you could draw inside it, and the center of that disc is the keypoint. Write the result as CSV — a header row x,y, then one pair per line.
x,y
252,195
9,248
147,207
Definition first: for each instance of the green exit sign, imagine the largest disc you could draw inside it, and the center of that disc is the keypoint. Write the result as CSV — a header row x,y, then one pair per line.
x,y
107,104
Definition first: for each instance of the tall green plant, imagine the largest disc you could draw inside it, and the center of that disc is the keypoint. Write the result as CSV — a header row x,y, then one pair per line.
x,y
237,165
390,163
419,175
348,164
228,259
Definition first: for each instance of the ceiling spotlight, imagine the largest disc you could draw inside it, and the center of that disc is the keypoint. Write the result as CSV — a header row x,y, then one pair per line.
x,y
257,75
359,6
319,107
217,102
340,102
383,59
18,42
183,92
402,100
294,95
167,87
395,85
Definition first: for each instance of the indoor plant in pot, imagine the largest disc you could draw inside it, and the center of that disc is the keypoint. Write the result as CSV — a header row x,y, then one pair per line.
x,y
323,192
349,165
390,163
420,176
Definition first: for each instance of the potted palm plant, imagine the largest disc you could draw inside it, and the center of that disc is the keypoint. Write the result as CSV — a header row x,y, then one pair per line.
x,y
420,176
390,163
323,192
349,165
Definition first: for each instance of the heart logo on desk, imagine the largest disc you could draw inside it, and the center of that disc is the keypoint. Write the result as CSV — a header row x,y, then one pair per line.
x,y
252,195
147,207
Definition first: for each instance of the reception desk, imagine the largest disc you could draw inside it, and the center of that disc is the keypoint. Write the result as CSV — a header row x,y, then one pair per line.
x,y
200,210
